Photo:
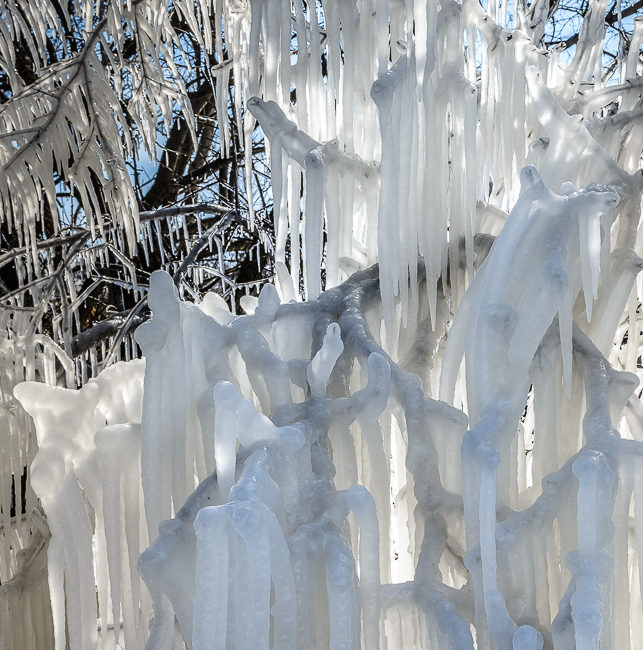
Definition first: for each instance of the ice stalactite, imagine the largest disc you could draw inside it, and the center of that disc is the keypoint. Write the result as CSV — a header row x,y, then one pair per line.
x,y
322,165
287,542
283,502
25,609
87,466
511,309
300,483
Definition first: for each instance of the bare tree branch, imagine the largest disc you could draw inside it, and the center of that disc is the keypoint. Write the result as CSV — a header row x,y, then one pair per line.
x,y
610,19
165,213
103,330
61,240
201,243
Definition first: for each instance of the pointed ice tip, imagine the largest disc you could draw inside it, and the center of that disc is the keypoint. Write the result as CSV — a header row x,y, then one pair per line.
x,y
567,188
162,297
603,198
269,301
333,331
248,304
379,371
284,282
224,391
530,179
527,638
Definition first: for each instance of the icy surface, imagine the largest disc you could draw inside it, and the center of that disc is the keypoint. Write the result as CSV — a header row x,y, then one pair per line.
x,y
289,478
89,454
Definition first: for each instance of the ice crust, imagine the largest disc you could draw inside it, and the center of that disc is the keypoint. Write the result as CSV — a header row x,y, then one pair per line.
x,y
288,478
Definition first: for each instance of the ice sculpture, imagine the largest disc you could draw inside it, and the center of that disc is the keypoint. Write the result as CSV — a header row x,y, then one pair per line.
x,y
442,449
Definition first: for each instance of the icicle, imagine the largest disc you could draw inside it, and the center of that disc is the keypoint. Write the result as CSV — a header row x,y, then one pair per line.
x,y
313,223
260,434
590,564
323,362
211,590
225,400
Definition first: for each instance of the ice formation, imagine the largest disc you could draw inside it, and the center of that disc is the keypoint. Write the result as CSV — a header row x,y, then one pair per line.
x,y
443,448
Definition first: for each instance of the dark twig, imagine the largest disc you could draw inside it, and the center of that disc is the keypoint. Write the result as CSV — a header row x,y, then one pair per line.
x,y
202,242
165,213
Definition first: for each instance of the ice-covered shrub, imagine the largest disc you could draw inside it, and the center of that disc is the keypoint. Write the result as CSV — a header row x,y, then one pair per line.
x,y
440,450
